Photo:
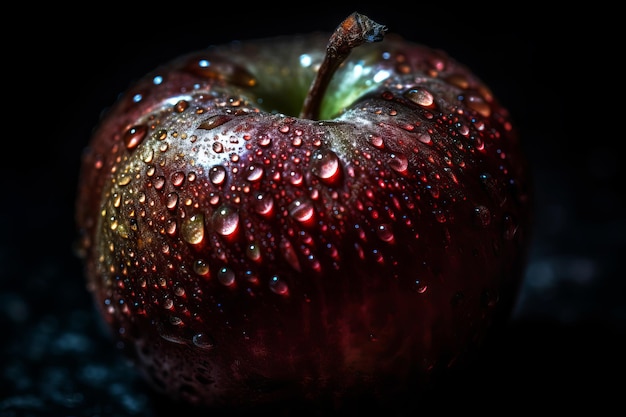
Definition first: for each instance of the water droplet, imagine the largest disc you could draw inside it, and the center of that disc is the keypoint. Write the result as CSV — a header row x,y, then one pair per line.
x,y
301,210
279,286
225,220
201,267
255,172
123,179
264,140
192,229
290,254
478,104
203,341
217,174
419,286
377,141
325,165
264,204
178,178
134,136
424,137
420,96
218,147
226,276
171,201
181,106
399,162
385,233
253,251
214,121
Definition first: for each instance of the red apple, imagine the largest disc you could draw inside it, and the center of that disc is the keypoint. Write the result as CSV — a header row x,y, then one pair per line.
x,y
293,219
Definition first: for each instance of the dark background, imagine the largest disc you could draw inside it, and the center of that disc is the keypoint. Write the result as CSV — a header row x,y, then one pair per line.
x,y
565,343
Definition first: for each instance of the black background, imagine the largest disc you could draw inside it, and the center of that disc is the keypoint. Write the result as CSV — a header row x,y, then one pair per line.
x,y
564,346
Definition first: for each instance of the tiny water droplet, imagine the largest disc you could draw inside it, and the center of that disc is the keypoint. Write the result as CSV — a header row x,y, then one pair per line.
x,y
171,201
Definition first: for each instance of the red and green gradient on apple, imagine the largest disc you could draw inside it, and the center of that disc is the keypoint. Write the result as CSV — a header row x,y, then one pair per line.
x,y
304,217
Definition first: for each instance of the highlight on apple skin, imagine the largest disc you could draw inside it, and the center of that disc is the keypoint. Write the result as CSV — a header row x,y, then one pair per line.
x,y
304,218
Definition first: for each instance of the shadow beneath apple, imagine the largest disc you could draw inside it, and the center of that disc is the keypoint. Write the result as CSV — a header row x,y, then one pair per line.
x,y
532,365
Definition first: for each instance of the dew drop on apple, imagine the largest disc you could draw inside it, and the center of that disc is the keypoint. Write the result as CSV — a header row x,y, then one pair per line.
x,y
263,204
253,251
226,276
255,172
215,121
424,137
301,210
218,147
377,141
278,285
420,96
217,174
385,233
192,229
201,267
325,165
171,201
203,341
225,220
399,162
134,136
178,178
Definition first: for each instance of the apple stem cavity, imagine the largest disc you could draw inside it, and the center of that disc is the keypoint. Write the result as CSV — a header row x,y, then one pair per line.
x,y
355,30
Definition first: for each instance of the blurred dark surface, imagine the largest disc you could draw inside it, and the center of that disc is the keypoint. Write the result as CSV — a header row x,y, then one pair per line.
x,y
564,346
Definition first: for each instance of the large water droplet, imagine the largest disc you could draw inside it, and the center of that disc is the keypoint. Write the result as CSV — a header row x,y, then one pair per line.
x,y
420,96
192,229
203,341
325,165
134,136
215,121
399,162
301,210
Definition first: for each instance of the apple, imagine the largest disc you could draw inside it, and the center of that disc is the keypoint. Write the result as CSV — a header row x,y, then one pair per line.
x,y
304,219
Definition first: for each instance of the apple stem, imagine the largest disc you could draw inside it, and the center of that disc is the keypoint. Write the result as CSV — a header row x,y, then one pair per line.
x,y
355,30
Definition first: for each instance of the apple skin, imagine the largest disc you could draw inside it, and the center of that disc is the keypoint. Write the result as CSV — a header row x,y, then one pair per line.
x,y
245,256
